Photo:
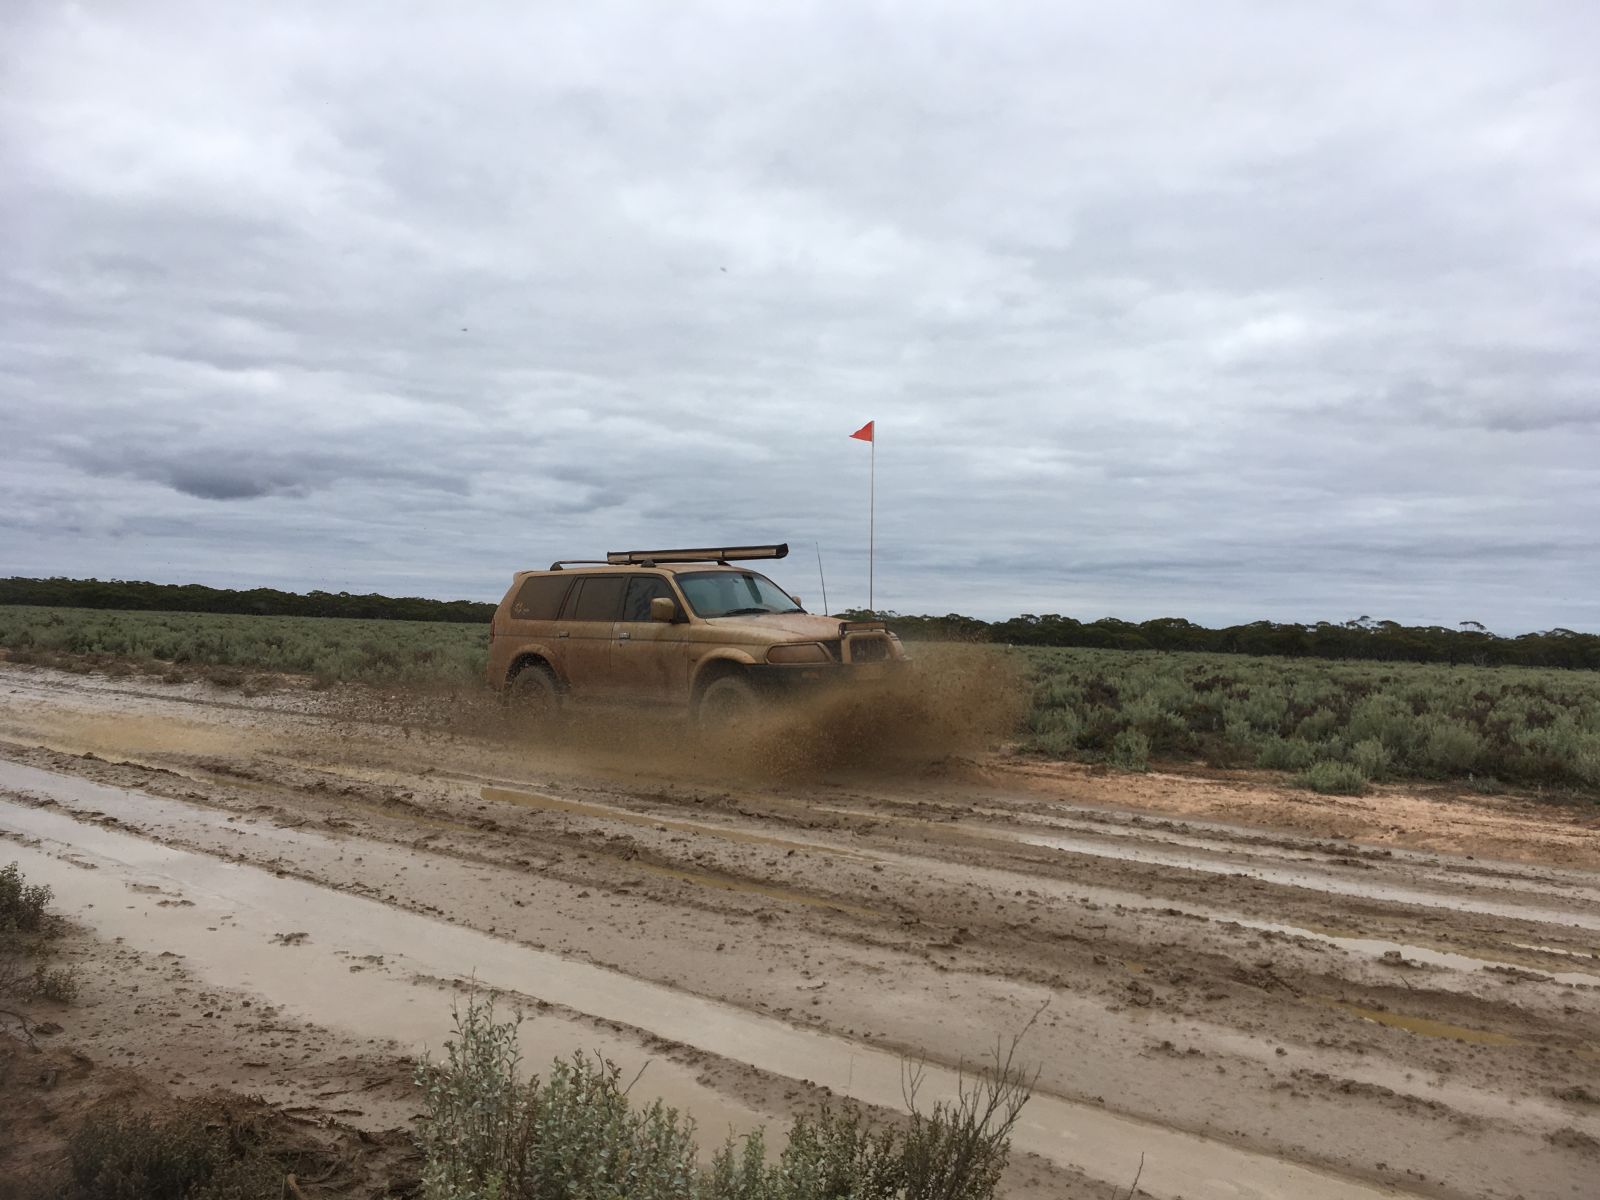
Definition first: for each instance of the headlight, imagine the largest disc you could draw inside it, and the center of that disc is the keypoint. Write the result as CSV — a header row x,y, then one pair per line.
x,y
798,652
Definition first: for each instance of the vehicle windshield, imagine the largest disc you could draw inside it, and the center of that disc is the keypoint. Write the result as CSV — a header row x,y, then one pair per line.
x,y
734,593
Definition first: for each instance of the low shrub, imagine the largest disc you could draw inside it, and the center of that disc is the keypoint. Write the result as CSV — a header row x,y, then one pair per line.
x,y
574,1135
1130,750
1286,754
1333,778
1372,758
22,904
56,983
189,1156
1449,747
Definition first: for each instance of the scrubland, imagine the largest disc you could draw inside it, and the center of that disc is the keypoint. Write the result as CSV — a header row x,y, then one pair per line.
x,y
1336,726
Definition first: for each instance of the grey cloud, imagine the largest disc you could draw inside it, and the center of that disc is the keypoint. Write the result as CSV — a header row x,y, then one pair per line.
x,y
223,472
1235,313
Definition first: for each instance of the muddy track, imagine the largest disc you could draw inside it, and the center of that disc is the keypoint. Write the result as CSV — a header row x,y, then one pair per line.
x,y
1259,1009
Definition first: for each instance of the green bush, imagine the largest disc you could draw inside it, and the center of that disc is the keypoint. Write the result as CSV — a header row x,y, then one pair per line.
x,y
1286,754
574,1135
1333,778
1520,725
1130,750
1449,747
21,905
1372,758
190,1156
226,646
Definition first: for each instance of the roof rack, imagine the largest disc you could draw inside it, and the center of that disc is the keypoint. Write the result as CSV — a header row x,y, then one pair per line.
x,y
717,554
561,563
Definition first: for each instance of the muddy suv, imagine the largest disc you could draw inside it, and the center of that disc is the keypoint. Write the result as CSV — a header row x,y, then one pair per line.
x,y
674,628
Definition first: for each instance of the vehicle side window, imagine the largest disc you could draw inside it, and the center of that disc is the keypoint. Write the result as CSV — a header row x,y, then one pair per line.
x,y
641,590
596,598
539,598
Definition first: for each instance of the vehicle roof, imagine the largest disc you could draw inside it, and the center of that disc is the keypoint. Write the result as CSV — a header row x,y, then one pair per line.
x,y
639,568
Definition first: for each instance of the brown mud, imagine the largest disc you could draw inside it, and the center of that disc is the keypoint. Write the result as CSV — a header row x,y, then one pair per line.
x,y
1263,992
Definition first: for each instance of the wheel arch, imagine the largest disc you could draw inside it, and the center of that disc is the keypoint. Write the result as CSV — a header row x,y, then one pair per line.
x,y
717,666
532,657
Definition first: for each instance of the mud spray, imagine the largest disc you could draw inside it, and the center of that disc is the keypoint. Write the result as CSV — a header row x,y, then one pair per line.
x,y
954,702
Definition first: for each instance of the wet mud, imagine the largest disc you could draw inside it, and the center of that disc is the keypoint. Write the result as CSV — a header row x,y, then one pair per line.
x,y
1257,1006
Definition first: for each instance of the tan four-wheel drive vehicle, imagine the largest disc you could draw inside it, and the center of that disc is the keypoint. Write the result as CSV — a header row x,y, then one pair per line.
x,y
675,628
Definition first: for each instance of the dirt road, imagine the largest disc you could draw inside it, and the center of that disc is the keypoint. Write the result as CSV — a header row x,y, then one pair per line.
x,y
1258,992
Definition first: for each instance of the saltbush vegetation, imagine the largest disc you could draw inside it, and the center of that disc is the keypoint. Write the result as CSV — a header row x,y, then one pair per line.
x,y
1482,726
225,647
27,932
1335,726
488,1134
193,1154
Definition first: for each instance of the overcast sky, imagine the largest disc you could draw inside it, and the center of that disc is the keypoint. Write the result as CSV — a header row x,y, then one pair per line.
x,y
1214,310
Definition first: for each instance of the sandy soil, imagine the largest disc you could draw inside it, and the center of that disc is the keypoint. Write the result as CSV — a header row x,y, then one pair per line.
x,y
1259,991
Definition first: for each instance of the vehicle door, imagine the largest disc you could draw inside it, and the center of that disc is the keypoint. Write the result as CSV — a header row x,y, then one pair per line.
x,y
650,659
585,630
530,620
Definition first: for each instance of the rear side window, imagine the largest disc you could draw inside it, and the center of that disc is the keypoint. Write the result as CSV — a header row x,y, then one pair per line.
x,y
641,590
596,598
539,598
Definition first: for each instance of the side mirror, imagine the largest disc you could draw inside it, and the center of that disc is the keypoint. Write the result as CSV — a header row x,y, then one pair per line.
x,y
664,608
796,600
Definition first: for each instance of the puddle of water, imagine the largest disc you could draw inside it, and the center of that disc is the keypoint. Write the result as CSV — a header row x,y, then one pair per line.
x,y
1510,877
1354,943
606,812
1314,880
226,935
1451,960
1428,1027
226,938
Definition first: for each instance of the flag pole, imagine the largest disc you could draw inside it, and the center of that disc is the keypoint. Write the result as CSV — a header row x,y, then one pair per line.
x,y
822,579
872,524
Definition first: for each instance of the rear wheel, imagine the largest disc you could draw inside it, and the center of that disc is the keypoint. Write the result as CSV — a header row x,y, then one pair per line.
x,y
533,697
728,706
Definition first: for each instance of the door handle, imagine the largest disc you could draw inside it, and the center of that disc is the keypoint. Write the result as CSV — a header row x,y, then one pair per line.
x,y
624,637
562,633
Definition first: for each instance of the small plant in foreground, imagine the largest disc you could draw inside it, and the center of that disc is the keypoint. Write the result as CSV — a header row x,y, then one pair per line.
x,y
22,904
25,934
574,1135
189,1156
59,984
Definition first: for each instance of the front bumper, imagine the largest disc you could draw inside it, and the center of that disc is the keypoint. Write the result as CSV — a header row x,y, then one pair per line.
x,y
782,678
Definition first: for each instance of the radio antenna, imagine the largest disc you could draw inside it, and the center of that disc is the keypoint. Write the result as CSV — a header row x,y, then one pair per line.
x,y
821,579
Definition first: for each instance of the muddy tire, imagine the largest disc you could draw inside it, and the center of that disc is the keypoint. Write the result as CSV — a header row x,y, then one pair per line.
x,y
728,706
533,697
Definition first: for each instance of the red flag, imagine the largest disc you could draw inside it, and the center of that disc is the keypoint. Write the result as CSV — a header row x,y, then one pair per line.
x,y
865,432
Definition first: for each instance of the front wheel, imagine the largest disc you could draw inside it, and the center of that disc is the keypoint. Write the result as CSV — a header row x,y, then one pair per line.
x,y
728,706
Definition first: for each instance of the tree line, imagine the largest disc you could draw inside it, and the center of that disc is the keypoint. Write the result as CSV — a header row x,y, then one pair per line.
x,y
1361,638
263,602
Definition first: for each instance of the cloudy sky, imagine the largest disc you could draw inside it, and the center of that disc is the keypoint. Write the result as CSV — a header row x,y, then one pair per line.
x,y
1216,310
